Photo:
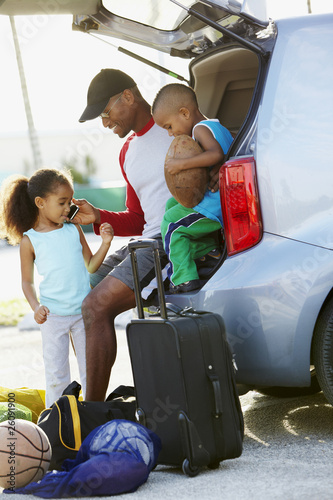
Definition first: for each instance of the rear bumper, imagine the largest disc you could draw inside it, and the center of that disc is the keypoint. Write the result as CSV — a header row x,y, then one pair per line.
x,y
269,297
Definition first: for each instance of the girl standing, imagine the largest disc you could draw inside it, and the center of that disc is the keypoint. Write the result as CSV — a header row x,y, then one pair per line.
x,y
33,212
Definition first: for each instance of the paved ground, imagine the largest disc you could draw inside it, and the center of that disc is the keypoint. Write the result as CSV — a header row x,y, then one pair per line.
x,y
288,445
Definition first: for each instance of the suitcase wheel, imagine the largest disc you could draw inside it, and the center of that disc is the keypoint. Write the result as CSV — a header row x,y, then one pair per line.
x,y
189,469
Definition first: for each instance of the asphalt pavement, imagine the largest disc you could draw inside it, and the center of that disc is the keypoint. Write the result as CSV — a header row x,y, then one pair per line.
x,y
288,443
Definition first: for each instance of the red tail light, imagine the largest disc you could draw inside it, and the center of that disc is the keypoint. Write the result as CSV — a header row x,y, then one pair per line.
x,y
240,204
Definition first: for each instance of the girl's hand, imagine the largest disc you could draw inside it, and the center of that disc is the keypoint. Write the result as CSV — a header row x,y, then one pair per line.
x,y
106,232
40,314
173,166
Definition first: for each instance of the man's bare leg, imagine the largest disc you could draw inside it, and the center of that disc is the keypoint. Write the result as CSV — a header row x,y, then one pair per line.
x,y
99,309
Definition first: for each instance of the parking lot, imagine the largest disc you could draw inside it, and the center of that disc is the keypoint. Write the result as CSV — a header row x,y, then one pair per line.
x,y
288,444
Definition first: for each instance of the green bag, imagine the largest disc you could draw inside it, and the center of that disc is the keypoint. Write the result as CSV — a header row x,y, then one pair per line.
x,y
13,411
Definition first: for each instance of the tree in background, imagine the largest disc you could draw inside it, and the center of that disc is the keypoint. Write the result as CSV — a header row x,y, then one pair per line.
x,y
37,159
81,174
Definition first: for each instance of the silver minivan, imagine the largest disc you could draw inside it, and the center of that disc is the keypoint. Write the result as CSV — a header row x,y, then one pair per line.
x,y
271,84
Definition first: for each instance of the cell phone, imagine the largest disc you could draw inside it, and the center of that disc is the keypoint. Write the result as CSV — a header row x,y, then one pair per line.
x,y
73,211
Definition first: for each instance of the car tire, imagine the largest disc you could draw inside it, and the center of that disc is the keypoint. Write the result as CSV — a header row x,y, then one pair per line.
x,y
322,351
292,392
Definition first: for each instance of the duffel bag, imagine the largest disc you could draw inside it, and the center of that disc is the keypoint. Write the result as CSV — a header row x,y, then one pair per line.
x,y
69,421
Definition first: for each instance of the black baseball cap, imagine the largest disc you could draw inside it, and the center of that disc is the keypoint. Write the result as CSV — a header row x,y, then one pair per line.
x,y
106,84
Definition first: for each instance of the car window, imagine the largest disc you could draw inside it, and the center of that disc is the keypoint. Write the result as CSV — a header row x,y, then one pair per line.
x,y
163,15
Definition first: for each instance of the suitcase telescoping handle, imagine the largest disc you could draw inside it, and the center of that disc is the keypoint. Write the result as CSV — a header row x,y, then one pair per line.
x,y
153,244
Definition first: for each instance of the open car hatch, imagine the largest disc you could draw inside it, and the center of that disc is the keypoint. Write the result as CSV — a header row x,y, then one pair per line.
x,y
184,29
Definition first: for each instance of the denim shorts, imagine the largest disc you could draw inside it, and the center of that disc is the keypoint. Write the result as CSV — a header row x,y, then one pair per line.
x,y
119,266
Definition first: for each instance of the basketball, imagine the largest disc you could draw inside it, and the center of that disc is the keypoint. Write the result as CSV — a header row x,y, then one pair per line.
x,y
188,186
25,453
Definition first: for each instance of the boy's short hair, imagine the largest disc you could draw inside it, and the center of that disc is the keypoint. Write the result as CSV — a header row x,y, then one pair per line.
x,y
173,96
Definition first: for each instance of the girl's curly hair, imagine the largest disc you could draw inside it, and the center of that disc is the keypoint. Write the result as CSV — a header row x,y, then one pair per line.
x,y
18,211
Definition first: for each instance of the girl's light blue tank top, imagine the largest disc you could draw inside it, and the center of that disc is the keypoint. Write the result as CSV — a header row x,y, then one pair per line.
x,y
59,261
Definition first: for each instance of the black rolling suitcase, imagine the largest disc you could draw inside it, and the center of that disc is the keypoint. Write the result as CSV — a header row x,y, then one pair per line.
x,y
184,380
